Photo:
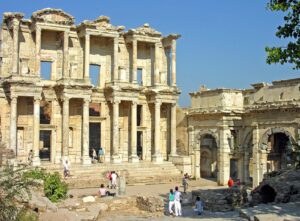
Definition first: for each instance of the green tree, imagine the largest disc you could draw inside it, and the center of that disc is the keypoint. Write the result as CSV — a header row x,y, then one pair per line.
x,y
290,30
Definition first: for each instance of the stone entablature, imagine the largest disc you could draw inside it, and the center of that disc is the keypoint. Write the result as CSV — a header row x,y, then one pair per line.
x,y
128,106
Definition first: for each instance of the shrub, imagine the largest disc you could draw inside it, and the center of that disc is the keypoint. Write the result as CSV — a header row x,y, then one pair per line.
x,y
54,188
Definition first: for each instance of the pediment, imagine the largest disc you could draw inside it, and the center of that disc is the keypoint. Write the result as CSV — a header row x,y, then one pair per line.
x,y
56,16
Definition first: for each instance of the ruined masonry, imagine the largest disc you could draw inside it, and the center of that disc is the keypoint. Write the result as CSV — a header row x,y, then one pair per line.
x,y
242,134
66,89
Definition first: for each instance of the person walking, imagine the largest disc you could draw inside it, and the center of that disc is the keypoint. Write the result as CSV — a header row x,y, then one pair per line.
x,y
66,168
171,202
185,182
177,202
94,155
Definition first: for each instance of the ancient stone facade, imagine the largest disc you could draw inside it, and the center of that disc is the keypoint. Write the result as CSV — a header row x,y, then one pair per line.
x,y
66,89
243,133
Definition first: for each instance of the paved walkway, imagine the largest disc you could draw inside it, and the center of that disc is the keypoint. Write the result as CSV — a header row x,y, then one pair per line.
x,y
162,190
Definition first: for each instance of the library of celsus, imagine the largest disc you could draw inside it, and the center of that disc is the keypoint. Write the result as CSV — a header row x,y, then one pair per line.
x,y
67,89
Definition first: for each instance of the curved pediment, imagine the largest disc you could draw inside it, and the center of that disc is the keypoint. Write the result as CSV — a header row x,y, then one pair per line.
x,y
50,15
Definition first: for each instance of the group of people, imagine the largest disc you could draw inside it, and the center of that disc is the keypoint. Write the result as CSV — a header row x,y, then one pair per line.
x,y
98,157
175,199
112,179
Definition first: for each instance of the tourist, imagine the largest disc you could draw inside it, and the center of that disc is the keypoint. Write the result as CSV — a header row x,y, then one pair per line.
x,y
230,182
238,183
101,155
114,180
198,206
30,157
177,202
94,155
171,201
108,176
66,168
102,191
185,182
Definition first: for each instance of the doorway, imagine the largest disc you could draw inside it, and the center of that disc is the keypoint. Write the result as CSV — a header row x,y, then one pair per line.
x,y
234,169
45,145
139,145
95,137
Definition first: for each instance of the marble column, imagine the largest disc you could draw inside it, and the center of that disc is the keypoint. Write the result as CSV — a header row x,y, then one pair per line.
x,y
65,128
13,124
38,35
87,57
173,130
157,157
15,63
36,132
66,55
173,62
115,136
256,156
156,65
134,61
86,160
223,156
116,59
133,157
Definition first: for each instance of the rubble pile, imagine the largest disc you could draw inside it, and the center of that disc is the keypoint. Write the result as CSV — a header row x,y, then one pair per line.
x,y
282,187
220,200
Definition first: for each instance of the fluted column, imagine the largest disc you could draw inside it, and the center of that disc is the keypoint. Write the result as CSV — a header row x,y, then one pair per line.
x,y
36,131
115,59
87,57
157,157
133,157
223,156
173,62
66,55
65,128
86,160
256,161
173,130
38,33
116,136
13,124
15,63
156,64
134,61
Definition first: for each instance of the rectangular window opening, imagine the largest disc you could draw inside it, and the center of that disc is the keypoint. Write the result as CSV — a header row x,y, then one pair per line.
x,y
95,74
46,70
139,115
140,76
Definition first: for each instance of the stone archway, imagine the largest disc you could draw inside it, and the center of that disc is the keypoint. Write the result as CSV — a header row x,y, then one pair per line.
x,y
277,145
208,156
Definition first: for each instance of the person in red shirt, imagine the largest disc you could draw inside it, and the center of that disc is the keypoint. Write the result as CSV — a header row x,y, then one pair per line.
x,y
230,182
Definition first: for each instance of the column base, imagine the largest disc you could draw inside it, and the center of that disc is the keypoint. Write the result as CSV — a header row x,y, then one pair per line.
x,y
134,159
86,160
116,159
157,158
36,161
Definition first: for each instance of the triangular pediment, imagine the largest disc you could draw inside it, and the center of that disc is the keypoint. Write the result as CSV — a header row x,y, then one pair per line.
x,y
50,15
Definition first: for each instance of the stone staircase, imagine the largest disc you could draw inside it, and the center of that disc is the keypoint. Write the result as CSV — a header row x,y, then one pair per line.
x,y
136,173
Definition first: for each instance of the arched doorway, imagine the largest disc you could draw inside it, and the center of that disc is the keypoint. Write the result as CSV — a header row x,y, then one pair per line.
x,y
208,156
278,150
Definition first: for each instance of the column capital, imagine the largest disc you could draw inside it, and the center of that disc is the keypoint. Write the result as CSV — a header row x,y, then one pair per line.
x,y
134,103
116,101
157,103
38,28
37,98
87,100
65,99
13,98
173,104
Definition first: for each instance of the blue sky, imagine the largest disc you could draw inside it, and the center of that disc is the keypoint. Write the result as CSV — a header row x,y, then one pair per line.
x,y
222,42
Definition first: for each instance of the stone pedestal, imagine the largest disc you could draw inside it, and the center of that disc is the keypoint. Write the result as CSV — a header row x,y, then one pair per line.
x,y
157,158
134,159
116,159
86,160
